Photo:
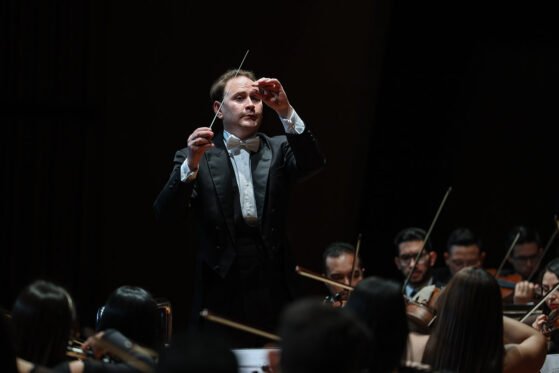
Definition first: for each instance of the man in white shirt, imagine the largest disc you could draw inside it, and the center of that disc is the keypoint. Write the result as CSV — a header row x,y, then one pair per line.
x,y
237,184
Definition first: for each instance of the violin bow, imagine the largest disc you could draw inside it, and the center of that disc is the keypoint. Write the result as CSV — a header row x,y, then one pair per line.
x,y
236,325
225,93
427,235
507,254
355,256
546,249
547,295
315,276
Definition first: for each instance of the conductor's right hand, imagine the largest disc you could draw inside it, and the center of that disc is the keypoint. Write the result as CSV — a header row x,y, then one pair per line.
x,y
198,142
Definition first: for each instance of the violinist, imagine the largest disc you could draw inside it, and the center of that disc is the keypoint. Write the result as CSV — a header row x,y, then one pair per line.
x,y
463,249
339,260
409,243
524,259
548,321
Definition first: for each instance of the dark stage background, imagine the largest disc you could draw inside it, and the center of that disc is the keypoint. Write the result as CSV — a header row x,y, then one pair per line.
x,y
406,100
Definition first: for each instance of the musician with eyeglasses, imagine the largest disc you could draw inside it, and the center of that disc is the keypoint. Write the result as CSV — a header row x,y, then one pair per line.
x,y
409,242
463,249
524,260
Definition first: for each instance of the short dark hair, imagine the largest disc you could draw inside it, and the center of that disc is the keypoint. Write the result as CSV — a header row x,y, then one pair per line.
x,y
335,249
527,235
411,234
132,311
218,87
462,237
315,337
379,304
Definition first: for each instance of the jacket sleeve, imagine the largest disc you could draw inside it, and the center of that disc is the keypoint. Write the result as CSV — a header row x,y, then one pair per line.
x,y
174,199
302,155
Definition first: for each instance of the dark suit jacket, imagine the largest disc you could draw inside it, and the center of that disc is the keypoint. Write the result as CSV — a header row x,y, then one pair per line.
x,y
281,161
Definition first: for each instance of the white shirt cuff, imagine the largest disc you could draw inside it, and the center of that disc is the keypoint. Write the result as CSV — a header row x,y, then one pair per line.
x,y
293,124
186,173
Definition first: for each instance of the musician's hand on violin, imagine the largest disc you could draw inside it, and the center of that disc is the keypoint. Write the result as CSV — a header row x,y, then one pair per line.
x,y
524,292
92,344
539,323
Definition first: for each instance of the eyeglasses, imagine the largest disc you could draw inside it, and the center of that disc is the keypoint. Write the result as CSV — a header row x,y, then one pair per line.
x,y
527,258
465,263
407,258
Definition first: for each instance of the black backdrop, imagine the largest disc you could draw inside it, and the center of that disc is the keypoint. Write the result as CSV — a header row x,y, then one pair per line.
x,y
406,100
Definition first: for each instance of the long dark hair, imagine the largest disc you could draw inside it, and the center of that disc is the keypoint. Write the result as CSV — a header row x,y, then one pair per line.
x,y
468,334
44,317
132,311
380,305
552,267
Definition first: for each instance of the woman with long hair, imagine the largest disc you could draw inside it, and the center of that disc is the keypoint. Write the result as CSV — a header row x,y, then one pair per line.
x,y
471,335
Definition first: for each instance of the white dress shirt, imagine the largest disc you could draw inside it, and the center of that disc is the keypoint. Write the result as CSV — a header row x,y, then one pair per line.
x,y
242,168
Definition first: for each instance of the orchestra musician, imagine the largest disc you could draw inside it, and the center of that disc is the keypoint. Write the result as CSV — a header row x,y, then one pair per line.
x,y
548,321
524,259
463,249
471,334
378,303
409,242
339,260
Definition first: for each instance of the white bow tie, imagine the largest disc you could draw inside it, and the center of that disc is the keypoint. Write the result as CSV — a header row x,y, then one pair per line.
x,y
234,144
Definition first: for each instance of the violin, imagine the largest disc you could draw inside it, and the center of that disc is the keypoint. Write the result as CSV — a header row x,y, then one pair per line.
x,y
421,309
335,300
551,326
507,283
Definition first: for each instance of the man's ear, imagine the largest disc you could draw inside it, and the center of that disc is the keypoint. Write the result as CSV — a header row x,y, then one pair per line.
x,y
446,258
216,106
432,258
397,262
482,257
274,357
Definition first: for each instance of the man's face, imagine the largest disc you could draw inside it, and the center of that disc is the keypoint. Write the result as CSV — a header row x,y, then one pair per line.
x,y
242,107
407,253
339,269
463,256
525,257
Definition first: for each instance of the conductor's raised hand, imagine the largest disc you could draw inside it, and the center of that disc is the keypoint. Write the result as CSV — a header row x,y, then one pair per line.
x,y
273,95
198,142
